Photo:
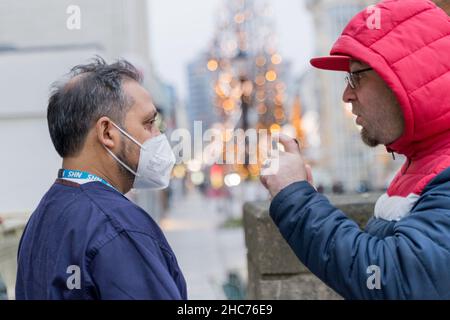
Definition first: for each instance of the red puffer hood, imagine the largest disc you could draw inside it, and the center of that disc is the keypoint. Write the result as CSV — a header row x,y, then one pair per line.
x,y
410,49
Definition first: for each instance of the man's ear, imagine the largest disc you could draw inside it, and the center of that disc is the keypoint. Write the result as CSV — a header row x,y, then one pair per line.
x,y
107,134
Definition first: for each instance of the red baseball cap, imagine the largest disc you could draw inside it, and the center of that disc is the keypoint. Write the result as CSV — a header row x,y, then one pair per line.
x,y
335,62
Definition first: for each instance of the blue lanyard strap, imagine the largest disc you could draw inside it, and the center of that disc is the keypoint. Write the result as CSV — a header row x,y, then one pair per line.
x,y
82,176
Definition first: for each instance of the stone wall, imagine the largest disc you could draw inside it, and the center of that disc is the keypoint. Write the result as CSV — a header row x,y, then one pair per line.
x,y
274,272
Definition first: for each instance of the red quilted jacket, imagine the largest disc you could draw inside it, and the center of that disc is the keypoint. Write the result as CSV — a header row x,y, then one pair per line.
x,y
411,52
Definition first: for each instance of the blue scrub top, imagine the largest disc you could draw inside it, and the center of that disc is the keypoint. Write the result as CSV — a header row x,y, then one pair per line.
x,y
90,242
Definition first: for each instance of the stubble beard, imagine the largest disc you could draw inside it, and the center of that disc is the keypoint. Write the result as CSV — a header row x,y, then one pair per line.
x,y
368,139
122,155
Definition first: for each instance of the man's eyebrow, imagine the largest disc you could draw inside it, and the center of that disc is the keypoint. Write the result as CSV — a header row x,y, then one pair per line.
x,y
152,115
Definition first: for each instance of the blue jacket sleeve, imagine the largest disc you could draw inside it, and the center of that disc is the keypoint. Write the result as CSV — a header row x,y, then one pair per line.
x,y
413,262
133,266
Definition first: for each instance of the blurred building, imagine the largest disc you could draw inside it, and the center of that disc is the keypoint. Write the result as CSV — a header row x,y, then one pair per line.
x,y
308,95
36,48
120,27
344,159
200,106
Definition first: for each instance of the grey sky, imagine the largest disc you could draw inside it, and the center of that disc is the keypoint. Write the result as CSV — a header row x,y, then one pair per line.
x,y
182,29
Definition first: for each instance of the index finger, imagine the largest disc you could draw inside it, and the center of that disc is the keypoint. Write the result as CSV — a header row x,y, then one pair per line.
x,y
291,145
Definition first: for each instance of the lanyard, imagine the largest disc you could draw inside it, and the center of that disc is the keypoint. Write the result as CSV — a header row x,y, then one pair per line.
x,y
81,177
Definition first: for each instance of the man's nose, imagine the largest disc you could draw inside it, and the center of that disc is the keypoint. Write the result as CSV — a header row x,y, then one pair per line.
x,y
349,94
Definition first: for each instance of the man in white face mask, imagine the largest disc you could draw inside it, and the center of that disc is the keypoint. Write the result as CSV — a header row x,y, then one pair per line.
x,y
86,240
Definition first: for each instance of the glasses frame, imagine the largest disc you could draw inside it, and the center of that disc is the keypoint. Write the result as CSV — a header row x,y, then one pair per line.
x,y
352,78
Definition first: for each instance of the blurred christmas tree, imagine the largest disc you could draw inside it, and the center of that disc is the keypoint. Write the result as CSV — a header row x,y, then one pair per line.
x,y
249,75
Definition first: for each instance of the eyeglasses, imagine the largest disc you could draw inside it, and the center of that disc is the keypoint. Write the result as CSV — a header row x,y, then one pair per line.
x,y
353,78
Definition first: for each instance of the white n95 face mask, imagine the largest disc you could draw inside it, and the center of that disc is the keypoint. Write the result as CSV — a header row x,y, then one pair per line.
x,y
156,161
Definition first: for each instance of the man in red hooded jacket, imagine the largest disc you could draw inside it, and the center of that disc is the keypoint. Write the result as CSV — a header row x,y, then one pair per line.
x,y
398,84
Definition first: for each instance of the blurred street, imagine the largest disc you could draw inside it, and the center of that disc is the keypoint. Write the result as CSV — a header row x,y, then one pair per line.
x,y
206,251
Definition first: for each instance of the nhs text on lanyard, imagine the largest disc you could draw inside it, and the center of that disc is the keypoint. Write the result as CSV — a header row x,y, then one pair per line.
x,y
81,177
